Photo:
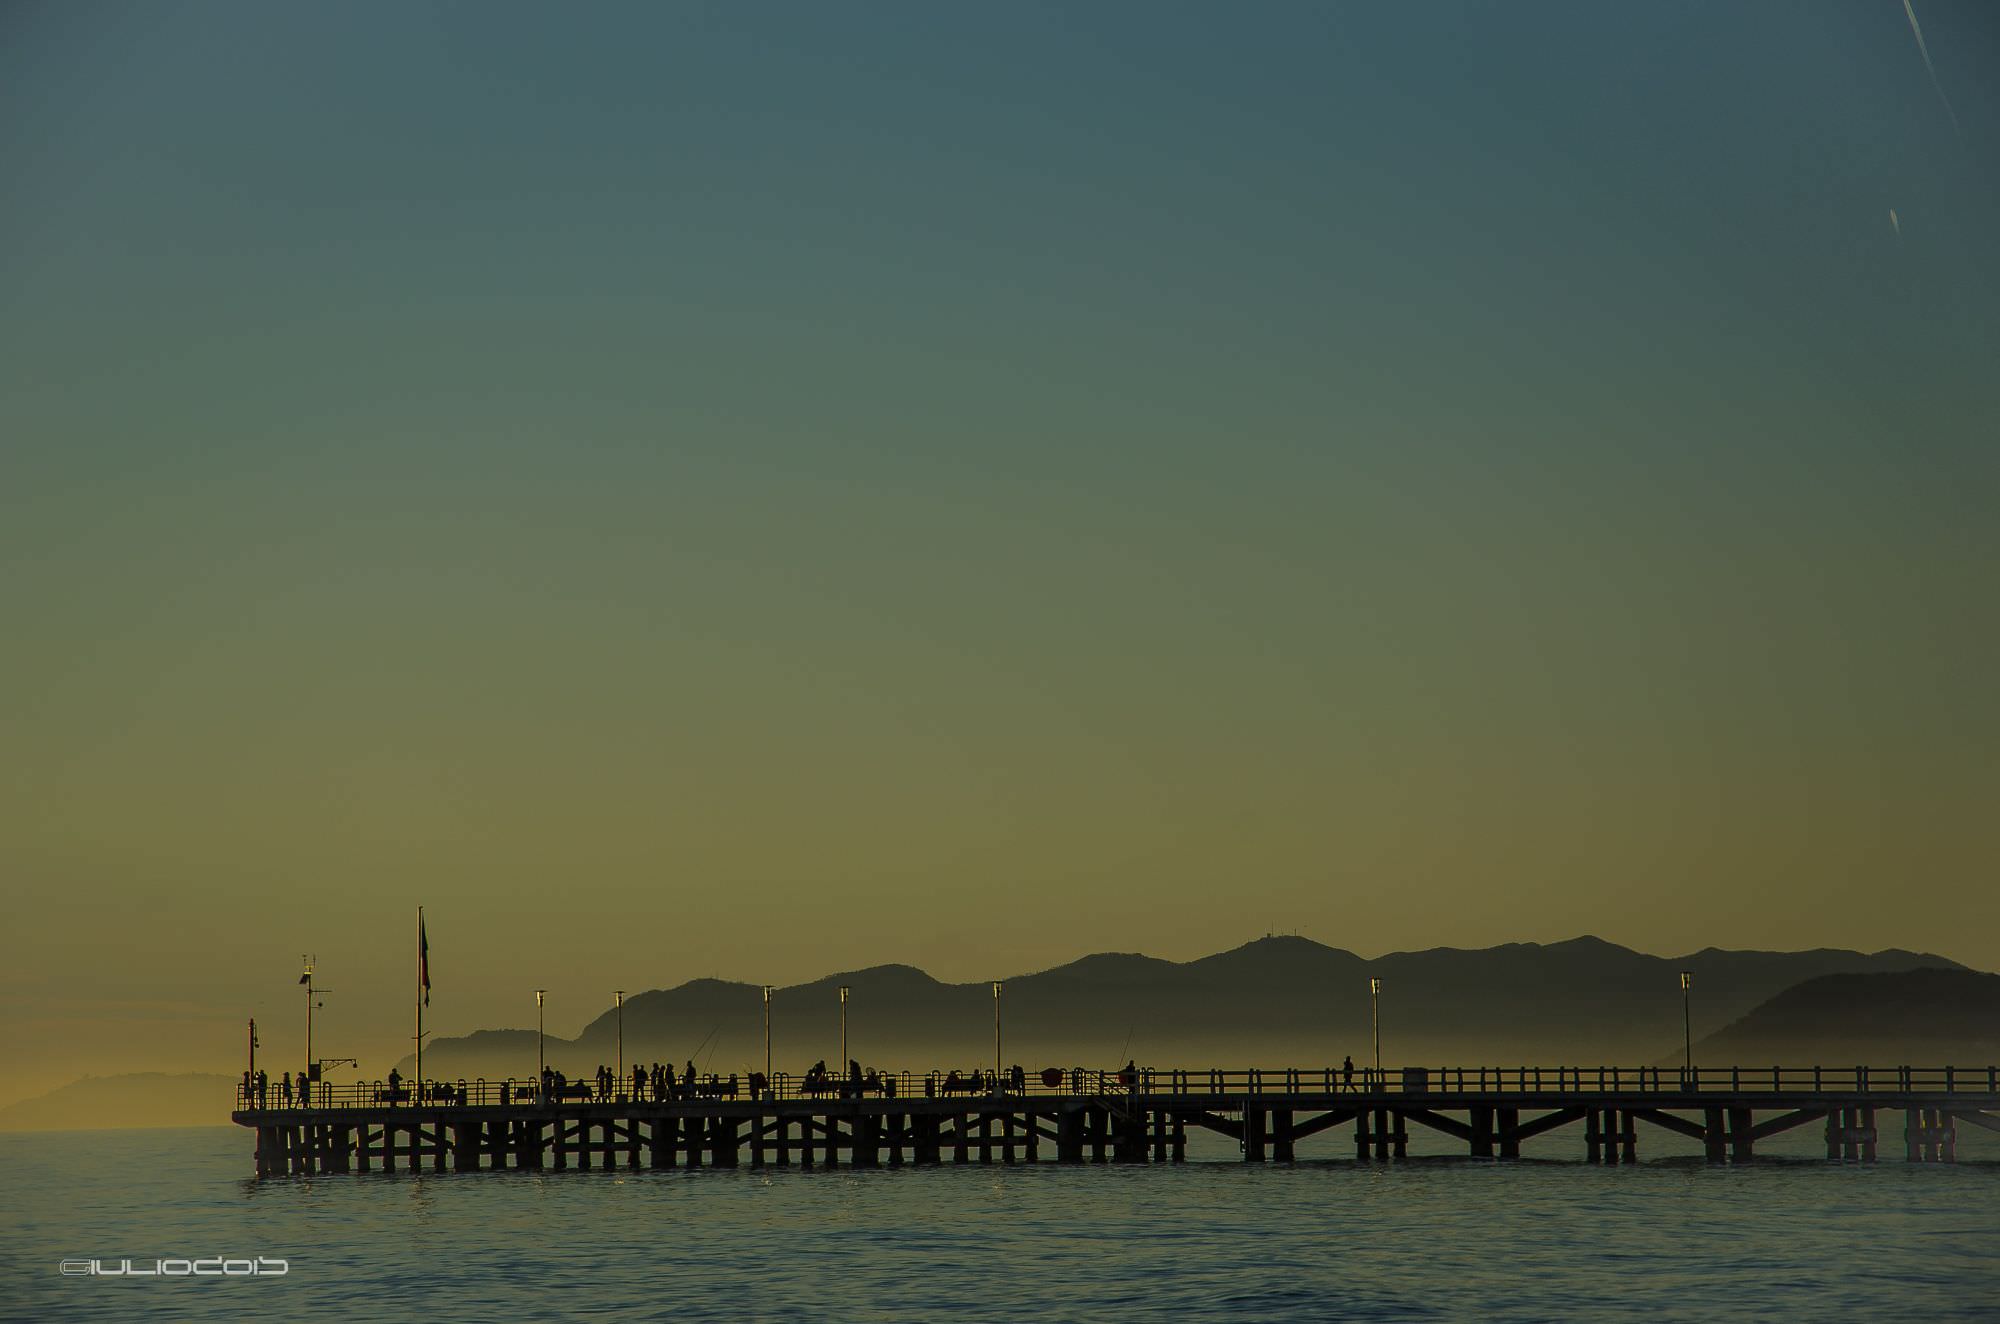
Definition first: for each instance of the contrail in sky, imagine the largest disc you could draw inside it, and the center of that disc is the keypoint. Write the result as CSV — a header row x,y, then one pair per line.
x,y
1925,51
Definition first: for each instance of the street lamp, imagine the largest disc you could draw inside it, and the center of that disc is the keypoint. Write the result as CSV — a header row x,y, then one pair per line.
x,y
1687,1025
843,1027
312,1000
619,994
307,980
541,1053
1375,1015
768,991
996,1032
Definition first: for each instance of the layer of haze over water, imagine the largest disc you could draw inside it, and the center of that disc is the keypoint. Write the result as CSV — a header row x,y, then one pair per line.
x,y
760,490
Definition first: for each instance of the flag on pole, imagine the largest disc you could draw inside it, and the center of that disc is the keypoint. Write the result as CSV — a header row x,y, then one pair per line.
x,y
423,959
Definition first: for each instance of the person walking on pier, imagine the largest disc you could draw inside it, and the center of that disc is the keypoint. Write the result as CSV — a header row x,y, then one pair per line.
x,y
1347,1072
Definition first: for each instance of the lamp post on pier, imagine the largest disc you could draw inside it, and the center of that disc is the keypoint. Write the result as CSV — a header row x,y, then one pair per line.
x,y
768,991
1375,1016
1687,1028
843,1031
541,1051
996,1031
619,994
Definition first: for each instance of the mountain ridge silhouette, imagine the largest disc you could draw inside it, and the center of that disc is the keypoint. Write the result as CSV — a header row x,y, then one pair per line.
x,y
1276,1000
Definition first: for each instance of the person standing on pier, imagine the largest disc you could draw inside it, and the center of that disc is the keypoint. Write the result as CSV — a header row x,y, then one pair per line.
x,y
395,1085
288,1089
305,1090
263,1087
1347,1072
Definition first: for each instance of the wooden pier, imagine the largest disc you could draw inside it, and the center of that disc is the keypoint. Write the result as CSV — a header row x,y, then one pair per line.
x,y
1142,1116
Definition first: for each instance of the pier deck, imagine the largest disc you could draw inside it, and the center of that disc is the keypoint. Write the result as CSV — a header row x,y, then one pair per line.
x,y
1090,1116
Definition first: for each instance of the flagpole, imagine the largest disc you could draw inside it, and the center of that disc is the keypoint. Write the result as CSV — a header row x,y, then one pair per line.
x,y
418,1092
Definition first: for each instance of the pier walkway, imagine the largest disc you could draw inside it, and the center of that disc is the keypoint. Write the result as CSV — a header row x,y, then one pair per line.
x,y
1074,1115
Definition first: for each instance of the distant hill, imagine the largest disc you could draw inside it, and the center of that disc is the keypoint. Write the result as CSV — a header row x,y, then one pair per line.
x,y
1279,1000
148,1098
1904,1018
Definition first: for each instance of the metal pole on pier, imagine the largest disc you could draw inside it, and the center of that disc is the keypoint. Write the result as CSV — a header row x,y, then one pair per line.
x,y
541,1054
620,995
1375,1015
307,980
768,991
843,1031
1687,1025
996,1031
423,996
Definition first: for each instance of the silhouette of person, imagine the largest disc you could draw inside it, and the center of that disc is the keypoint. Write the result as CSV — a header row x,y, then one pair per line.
x,y
1347,1072
395,1084
263,1088
1020,1078
687,1078
288,1089
305,1090
853,1078
249,1093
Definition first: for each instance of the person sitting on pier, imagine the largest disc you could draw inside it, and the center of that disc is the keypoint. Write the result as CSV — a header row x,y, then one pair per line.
x,y
1020,1079
976,1084
872,1082
952,1083
888,1086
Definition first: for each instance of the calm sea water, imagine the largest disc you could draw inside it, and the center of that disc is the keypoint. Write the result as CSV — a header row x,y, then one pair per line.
x,y
1431,1238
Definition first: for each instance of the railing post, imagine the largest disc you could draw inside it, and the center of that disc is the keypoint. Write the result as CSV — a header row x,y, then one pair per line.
x,y
1948,1085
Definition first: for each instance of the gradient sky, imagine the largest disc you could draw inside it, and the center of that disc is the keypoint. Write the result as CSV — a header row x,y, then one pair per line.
x,y
754,490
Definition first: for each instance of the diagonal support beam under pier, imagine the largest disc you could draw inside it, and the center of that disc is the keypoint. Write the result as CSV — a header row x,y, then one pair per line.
x,y
1668,1122
1991,1121
1438,1122
1324,1122
1213,1122
1785,1122
1546,1122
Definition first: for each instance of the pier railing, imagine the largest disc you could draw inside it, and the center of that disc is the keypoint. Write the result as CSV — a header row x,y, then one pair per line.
x,y
1080,1082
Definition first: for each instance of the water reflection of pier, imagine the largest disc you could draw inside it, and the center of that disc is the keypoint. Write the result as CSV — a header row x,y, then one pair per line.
x,y
1076,1116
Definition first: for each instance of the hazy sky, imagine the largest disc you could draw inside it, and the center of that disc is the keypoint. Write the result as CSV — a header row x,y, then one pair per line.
x,y
756,489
